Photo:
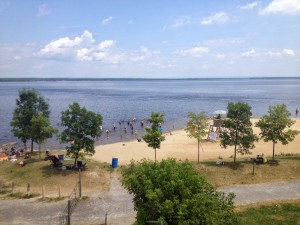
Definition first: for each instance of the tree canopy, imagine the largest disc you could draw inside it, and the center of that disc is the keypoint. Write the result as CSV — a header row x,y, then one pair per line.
x,y
274,126
175,194
42,130
29,104
82,127
154,136
197,127
237,128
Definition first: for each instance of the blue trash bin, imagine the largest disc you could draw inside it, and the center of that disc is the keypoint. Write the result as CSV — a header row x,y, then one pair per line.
x,y
114,162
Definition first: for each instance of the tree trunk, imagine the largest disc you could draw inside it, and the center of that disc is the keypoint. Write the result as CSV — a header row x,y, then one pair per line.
x,y
235,143
234,158
40,151
25,147
273,150
31,146
198,152
155,155
76,157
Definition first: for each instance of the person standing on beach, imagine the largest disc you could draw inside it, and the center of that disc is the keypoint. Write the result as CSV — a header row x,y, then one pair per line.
x,y
297,111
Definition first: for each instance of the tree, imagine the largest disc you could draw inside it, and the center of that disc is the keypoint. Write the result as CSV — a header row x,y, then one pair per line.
x,y
238,128
274,126
82,128
29,104
197,128
154,136
175,194
41,130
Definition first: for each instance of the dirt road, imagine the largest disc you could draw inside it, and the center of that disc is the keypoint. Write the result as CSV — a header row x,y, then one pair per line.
x,y
117,203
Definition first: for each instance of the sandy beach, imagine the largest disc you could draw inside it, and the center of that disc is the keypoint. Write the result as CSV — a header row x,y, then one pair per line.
x,y
178,145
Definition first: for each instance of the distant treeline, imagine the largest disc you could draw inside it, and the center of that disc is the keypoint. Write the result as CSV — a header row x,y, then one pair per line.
x,y
134,79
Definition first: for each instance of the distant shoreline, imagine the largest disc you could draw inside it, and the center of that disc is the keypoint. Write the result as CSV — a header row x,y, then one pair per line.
x,y
32,79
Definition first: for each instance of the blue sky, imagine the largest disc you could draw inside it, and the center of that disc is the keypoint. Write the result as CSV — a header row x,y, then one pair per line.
x,y
149,39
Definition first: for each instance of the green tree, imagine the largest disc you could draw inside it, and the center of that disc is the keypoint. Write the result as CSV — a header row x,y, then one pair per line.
x,y
197,128
274,126
154,136
41,130
82,128
175,194
238,128
29,104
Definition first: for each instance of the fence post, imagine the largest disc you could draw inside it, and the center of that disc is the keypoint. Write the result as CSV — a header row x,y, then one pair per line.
x,y
28,189
105,219
12,187
43,192
79,183
1,187
69,212
59,191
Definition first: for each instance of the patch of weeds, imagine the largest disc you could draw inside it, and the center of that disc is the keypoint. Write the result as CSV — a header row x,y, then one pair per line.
x,y
49,199
84,198
20,195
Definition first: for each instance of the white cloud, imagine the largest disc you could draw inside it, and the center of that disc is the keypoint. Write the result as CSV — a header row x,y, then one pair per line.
x,y
87,37
219,18
106,44
83,54
43,10
107,21
194,52
249,6
273,54
144,53
249,53
63,45
99,56
180,22
290,7
288,52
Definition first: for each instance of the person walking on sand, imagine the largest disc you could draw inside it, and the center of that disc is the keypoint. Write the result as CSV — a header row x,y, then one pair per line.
x,y
297,111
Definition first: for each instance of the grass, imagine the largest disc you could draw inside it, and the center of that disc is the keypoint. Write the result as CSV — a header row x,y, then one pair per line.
x,y
242,172
96,178
274,213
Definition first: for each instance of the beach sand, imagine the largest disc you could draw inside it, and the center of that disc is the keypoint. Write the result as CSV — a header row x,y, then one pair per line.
x,y
178,145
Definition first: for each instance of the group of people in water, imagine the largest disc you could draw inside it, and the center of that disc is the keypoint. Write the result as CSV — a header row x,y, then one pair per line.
x,y
125,127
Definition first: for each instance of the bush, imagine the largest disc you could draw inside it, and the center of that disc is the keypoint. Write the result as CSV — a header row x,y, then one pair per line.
x,y
174,193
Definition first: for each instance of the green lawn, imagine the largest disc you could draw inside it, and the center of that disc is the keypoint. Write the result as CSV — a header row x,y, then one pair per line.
x,y
272,214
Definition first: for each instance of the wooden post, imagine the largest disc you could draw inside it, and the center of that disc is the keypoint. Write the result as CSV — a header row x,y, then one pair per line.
x,y
1,187
105,219
43,192
12,187
79,183
28,189
69,212
59,191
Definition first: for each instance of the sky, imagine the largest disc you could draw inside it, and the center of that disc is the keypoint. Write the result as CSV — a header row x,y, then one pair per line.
x,y
149,39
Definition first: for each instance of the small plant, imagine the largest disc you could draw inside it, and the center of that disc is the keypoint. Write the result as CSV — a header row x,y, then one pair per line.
x,y
20,195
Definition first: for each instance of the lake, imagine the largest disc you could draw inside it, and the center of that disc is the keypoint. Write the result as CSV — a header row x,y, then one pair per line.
x,y
124,99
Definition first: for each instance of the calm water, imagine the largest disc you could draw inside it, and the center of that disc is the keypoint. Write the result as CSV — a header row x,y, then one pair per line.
x,y
122,100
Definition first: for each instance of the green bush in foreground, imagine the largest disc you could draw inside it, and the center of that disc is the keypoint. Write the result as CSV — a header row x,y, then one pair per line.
x,y
174,193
